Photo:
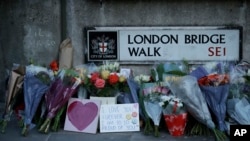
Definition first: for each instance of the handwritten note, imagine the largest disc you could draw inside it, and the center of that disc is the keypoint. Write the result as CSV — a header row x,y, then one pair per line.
x,y
119,118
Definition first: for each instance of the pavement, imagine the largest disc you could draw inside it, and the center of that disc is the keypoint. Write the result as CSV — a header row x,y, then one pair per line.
x,y
13,133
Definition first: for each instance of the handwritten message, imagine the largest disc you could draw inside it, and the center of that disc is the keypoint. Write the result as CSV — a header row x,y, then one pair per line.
x,y
119,118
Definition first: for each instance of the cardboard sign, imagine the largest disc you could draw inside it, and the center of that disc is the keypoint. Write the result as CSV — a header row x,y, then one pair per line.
x,y
119,118
82,115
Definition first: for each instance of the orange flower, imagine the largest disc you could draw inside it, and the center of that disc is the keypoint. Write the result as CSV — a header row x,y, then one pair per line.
x,y
54,65
113,78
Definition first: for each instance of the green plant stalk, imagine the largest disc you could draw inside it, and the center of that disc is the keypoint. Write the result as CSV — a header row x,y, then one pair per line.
x,y
148,128
25,130
200,129
219,135
21,123
45,126
56,124
3,123
40,121
156,133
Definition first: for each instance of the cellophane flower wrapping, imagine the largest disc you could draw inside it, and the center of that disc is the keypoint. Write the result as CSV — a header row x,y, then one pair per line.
x,y
238,106
63,87
13,92
151,93
188,90
215,88
36,83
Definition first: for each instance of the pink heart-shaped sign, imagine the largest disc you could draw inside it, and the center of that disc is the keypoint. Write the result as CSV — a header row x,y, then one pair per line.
x,y
81,115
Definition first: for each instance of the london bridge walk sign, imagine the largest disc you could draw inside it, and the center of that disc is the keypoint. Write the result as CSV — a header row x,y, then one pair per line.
x,y
161,44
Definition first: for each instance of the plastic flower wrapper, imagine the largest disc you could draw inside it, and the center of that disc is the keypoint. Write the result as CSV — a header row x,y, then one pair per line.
x,y
238,107
215,88
175,114
82,71
187,89
36,83
151,93
14,87
179,68
61,89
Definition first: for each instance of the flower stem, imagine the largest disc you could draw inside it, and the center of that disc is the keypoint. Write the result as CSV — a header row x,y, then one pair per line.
x,y
45,126
56,124
148,128
157,134
21,123
25,130
40,121
219,135
3,123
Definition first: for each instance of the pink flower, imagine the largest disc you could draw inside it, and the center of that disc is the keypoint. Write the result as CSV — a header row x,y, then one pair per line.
x,y
165,90
99,83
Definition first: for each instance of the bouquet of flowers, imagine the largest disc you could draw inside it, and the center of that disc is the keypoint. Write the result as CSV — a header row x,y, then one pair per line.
x,y
63,87
238,106
36,82
105,81
13,91
215,88
151,93
175,114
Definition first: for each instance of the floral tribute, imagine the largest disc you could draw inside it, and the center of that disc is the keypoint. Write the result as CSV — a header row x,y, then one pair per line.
x,y
175,114
106,81
151,93
212,95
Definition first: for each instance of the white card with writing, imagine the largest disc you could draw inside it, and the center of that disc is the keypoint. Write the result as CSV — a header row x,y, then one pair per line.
x,y
119,118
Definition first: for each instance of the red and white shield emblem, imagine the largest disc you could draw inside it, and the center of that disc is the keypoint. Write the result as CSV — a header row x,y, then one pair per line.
x,y
102,46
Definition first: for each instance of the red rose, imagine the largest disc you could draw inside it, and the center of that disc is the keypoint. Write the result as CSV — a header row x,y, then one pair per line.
x,y
94,77
99,83
113,78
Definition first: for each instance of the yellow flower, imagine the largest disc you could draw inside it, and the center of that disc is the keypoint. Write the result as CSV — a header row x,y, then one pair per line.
x,y
105,74
122,78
